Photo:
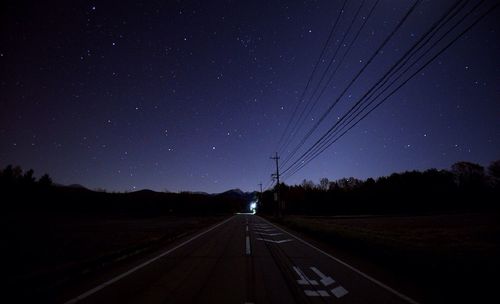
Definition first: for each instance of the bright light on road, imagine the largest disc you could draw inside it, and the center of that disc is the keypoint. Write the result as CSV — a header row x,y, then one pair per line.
x,y
253,207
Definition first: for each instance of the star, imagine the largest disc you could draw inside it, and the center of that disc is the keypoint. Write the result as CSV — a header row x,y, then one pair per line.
x,y
230,85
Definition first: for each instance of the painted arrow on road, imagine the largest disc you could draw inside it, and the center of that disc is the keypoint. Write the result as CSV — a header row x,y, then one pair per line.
x,y
325,280
304,280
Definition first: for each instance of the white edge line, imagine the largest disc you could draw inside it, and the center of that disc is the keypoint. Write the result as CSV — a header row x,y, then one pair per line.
x,y
121,276
397,293
248,251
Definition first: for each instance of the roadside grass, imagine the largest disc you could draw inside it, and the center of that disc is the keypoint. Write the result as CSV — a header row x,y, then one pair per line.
x,y
448,257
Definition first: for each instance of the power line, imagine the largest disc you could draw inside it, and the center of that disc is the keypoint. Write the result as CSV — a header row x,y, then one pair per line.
x,y
303,160
268,185
330,79
341,124
301,98
349,48
303,163
395,67
327,112
311,105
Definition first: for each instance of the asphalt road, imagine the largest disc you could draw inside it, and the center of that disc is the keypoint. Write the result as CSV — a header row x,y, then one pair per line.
x,y
244,259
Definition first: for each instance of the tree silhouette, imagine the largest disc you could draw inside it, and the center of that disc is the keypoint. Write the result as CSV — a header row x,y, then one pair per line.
x,y
468,175
307,184
7,175
12,176
17,172
494,173
494,169
350,183
324,184
28,179
45,181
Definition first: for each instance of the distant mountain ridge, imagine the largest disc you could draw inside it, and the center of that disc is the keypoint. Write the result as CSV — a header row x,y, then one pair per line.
x,y
234,193
238,193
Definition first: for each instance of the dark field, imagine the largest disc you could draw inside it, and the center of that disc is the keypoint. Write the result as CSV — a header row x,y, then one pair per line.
x,y
49,252
435,259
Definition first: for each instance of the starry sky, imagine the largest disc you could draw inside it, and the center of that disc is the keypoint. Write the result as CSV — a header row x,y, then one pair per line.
x,y
196,95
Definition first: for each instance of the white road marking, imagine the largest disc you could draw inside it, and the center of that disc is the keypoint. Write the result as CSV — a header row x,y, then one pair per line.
x,y
314,293
248,251
373,280
264,229
121,276
325,280
339,291
269,234
304,280
246,229
273,241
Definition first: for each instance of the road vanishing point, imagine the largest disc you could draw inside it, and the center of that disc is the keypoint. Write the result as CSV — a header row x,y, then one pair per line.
x,y
243,259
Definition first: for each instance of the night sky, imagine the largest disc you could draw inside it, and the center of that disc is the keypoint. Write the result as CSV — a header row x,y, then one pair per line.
x,y
195,95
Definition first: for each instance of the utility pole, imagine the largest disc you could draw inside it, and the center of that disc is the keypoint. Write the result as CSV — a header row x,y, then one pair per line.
x,y
277,175
260,196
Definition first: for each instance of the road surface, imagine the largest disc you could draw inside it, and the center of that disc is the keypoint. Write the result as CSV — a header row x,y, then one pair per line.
x,y
244,259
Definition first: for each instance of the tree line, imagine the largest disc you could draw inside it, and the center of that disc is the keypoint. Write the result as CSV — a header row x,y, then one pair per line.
x,y
21,191
465,186
13,177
